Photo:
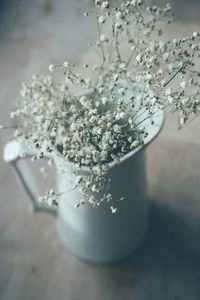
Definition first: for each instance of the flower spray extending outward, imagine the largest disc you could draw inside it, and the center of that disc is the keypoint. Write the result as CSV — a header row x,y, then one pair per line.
x,y
126,89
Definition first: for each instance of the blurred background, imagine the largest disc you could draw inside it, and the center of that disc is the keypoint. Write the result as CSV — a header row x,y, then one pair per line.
x,y
33,262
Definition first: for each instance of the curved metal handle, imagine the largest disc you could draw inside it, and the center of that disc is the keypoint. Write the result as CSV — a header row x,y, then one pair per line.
x,y
12,151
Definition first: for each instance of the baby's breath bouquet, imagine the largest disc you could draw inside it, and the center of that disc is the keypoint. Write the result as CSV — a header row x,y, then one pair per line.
x,y
92,121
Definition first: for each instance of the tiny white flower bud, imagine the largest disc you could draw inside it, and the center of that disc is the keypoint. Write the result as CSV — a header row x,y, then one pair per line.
x,y
138,58
82,100
104,100
170,100
183,84
182,121
93,188
116,77
166,56
40,199
184,101
103,38
116,128
161,44
66,64
50,201
121,91
78,179
50,162
12,115
132,48
118,15
101,19
113,210
135,144
104,5
120,115
195,34
122,65
51,68
168,92
51,192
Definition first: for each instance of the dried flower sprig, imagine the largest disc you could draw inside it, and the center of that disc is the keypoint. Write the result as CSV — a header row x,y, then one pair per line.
x,y
100,126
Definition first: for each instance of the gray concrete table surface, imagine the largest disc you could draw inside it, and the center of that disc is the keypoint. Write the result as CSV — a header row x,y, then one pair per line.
x,y
33,262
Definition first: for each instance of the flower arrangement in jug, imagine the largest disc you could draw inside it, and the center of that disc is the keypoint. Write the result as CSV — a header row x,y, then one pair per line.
x,y
91,122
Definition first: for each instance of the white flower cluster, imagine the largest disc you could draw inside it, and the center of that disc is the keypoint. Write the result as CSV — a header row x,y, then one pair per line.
x,y
49,199
103,124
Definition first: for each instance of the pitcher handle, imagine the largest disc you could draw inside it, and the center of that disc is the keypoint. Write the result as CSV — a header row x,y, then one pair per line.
x,y
12,152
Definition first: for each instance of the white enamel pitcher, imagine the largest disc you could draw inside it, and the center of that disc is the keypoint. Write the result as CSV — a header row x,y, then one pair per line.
x,y
95,234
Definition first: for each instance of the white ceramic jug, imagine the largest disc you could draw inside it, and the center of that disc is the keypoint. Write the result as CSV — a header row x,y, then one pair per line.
x,y
95,234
